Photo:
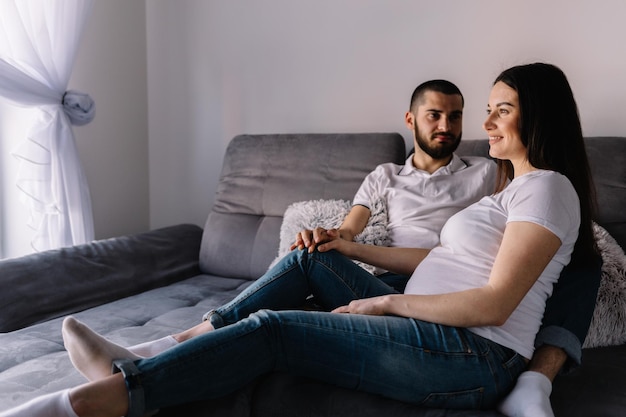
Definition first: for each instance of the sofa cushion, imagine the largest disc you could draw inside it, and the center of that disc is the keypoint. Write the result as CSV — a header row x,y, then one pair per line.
x,y
596,388
607,157
33,360
263,174
608,325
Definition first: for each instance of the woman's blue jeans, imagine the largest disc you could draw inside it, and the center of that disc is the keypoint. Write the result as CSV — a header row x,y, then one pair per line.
x,y
400,358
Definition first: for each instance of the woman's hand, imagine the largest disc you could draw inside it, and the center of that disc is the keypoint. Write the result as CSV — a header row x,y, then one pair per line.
x,y
375,306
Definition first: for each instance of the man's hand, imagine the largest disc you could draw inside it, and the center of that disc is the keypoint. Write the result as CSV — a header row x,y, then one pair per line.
x,y
353,224
312,238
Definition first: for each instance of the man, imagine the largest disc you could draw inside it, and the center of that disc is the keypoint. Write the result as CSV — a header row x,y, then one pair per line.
x,y
434,184
423,194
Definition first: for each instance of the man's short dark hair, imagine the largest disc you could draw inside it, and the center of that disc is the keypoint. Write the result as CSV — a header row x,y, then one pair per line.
x,y
439,86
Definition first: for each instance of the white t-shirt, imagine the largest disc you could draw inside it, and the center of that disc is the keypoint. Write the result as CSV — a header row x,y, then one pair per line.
x,y
470,242
419,203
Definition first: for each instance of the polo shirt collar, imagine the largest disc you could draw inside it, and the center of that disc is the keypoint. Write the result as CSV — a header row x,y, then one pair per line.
x,y
455,164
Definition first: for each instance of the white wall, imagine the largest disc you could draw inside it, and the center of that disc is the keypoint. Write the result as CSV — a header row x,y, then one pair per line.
x,y
174,81
217,68
111,67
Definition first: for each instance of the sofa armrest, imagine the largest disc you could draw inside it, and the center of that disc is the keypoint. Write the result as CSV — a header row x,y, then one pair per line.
x,y
54,283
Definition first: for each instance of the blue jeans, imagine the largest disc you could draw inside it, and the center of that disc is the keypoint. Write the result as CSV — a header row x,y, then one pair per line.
x,y
400,358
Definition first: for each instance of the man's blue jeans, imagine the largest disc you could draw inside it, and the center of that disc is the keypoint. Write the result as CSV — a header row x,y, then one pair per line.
x,y
400,358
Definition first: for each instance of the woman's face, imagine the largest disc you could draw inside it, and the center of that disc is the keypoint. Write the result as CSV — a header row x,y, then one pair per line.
x,y
503,124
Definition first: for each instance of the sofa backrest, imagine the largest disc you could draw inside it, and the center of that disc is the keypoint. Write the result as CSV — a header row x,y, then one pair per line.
x,y
607,158
263,174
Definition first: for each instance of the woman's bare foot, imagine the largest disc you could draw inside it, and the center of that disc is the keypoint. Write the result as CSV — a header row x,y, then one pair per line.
x,y
91,353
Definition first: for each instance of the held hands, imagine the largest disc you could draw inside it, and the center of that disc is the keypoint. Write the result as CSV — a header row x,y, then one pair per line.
x,y
319,238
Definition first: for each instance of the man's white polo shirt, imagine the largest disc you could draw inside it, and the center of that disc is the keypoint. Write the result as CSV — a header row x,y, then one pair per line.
x,y
419,203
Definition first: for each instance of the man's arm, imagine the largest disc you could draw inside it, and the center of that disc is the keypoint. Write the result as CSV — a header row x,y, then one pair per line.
x,y
355,222
401,261
569,311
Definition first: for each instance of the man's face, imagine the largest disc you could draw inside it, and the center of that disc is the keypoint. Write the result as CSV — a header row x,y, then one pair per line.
x,y
438,124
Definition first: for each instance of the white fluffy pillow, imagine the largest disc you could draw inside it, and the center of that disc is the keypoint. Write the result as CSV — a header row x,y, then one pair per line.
x,y
608,325
330,214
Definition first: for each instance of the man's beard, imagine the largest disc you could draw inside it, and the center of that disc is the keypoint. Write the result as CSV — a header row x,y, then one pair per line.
x,y
438,150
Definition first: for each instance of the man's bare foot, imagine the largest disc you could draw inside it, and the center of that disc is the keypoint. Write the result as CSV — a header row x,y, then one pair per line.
x,y
91,353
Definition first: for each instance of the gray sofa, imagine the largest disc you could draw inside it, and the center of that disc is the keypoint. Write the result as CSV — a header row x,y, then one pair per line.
x,y
141,287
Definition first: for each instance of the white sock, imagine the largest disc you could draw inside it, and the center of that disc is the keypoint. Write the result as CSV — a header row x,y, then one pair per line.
x,y
530,397
52,405
153,347
91,353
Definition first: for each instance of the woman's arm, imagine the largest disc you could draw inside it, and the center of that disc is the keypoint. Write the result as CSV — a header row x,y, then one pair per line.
x,y
525,251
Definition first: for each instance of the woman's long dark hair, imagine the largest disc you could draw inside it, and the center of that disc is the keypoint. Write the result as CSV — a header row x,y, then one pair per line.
x,y
551,131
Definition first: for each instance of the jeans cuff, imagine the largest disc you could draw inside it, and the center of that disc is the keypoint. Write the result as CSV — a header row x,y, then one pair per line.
x,y
564,339
214,318
136,398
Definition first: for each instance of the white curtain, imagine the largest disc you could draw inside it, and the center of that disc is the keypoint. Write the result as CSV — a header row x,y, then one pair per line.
x,y
38,43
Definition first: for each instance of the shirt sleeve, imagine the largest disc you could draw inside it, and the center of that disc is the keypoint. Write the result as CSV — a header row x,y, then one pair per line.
x,y
371,186
549,201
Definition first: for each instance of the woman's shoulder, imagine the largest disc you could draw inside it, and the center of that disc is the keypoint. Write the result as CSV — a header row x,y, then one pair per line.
x,y
542,185
547,198
544,179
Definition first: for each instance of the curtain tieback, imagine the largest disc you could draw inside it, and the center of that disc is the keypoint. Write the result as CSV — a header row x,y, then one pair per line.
x,y
79,107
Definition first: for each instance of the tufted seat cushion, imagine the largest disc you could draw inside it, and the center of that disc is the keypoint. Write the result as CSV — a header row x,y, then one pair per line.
x,y
135,319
